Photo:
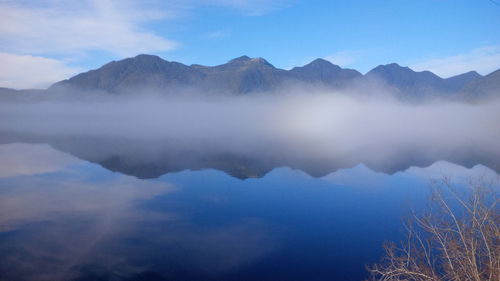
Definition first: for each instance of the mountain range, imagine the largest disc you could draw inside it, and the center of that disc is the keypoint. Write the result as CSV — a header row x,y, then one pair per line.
x,y
245,75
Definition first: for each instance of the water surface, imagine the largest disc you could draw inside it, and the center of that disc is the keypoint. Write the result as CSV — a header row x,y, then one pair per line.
x,y
62,218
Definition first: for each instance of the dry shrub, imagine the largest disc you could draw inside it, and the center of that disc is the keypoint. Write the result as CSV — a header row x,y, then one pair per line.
x,y
456,239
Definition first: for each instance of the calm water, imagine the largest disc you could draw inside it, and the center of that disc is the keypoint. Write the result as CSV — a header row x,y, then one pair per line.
x,y
62,218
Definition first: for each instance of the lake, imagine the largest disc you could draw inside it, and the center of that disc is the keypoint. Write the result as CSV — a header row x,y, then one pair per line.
x,y
63,218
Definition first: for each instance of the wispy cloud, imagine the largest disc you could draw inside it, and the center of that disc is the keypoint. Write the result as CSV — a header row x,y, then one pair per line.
x,y
55,27
26,71
483,60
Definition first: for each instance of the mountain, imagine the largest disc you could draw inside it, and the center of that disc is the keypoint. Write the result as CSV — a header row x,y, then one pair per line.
x,y
242,75
485,87
405,80
146,72
458,82
141,72
325,72
420,84
7,94
245,75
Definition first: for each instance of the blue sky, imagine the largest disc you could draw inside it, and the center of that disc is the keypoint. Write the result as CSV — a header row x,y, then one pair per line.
x,y
49,40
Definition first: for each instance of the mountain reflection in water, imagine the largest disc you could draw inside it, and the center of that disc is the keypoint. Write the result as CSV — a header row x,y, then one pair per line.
x,y
63,218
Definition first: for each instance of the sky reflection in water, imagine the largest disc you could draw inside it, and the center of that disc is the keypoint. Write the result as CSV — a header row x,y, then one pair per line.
x,y
62,218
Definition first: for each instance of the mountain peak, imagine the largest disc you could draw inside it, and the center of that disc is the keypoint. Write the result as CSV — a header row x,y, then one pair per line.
x,y
390,69
457,82
142,60
471,73
392,66
147,57
323,71
240,59
321,63
321,60
247,61
467,75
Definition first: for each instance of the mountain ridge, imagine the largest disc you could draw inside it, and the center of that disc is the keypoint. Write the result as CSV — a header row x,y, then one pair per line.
x,y
245,75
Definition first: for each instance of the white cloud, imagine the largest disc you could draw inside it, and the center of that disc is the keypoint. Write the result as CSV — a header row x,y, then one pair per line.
x,y
343,58
54,27
25,71
483,60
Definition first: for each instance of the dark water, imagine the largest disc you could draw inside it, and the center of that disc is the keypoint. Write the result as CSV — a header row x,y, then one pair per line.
x,y
62,218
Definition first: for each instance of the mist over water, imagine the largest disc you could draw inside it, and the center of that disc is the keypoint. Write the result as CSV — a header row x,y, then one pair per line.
x,y
296,129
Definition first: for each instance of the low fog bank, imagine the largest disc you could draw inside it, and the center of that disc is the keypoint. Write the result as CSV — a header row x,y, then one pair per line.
x,y
317,131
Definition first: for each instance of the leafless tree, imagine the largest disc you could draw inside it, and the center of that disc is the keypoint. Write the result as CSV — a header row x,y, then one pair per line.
x,y
456,239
